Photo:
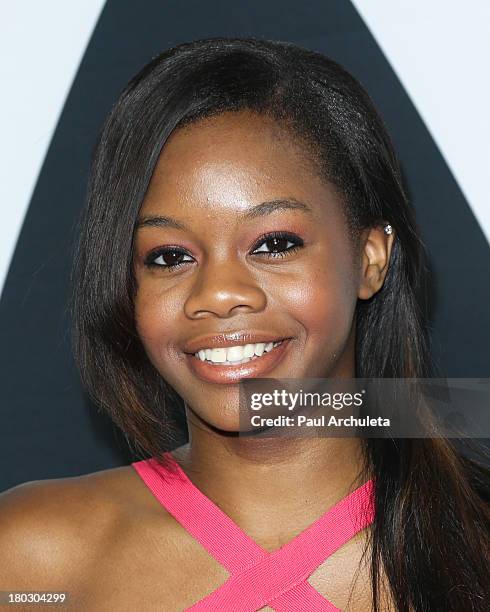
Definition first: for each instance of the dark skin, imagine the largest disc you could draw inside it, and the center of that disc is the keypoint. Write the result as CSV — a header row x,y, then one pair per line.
x,y
67,534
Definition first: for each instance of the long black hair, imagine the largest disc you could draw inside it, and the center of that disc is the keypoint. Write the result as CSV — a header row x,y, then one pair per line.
x,y
430,537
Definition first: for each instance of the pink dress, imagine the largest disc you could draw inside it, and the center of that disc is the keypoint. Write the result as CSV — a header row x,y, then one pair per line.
x,y
258,578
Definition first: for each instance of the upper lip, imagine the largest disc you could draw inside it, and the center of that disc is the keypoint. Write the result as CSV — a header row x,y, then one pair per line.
x,y
227,339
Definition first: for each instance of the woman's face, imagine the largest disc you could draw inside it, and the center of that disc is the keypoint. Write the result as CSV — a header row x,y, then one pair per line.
x,y
220,188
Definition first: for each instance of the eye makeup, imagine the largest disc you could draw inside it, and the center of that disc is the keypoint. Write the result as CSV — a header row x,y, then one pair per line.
x,y
281,244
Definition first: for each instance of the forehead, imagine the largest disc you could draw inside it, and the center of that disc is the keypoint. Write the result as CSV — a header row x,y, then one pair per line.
x,y
229,162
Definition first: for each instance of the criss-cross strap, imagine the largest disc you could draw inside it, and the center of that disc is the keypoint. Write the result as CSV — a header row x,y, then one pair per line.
x,y
258,577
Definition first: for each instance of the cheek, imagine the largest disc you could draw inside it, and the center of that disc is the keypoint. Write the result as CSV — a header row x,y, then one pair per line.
x,y
323,301
154,315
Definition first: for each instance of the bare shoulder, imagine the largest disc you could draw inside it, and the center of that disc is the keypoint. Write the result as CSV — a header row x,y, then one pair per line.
x,y
55,528
104,539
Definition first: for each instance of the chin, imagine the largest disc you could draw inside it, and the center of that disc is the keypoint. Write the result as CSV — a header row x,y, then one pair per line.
x,y
226,423
221,420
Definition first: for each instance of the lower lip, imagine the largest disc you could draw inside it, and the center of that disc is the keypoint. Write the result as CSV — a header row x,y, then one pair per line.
x,y
255,368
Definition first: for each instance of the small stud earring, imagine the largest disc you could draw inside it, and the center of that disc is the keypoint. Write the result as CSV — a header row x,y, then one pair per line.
x,y
388,229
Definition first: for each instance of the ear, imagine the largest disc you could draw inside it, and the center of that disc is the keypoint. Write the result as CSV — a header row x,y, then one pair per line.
x,y
375,254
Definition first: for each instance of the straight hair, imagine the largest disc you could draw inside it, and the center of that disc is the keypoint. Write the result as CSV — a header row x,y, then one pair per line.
x,y
430,536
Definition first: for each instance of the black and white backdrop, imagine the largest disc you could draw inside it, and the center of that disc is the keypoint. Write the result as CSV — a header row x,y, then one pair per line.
x,y
63,65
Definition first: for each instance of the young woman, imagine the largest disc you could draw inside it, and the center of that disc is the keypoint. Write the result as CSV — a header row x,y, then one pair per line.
x,y
246,218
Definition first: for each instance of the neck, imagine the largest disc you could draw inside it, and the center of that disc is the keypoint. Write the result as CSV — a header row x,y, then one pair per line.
x,y
273,488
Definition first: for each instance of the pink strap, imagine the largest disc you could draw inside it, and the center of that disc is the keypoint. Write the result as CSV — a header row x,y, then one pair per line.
x,y
258,577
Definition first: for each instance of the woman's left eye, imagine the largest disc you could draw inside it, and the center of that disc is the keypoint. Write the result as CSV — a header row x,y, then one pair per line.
x,y
278,244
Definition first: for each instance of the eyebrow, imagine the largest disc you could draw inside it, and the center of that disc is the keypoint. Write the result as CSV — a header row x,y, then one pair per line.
x,y
261,210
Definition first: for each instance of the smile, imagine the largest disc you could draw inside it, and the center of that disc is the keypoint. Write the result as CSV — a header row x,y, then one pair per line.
x,y
227,365
235,355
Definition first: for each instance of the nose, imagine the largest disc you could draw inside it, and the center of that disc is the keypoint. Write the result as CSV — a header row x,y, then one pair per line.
x,y
224,290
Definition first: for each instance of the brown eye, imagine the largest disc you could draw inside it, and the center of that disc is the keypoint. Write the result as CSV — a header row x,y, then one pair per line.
x,y
167,258
279,244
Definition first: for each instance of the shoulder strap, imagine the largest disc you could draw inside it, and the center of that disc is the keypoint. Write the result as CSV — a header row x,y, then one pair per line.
x,y
258,578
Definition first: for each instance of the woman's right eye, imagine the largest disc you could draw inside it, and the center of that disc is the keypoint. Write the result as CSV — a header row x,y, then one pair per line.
x,y
168,258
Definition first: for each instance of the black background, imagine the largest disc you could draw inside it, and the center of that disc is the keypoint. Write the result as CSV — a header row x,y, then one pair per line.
x,y
48,429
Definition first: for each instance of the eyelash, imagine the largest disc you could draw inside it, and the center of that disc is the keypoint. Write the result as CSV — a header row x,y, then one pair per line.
x,y
296,240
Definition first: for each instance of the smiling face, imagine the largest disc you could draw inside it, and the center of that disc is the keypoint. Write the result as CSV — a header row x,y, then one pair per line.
x,y
220,188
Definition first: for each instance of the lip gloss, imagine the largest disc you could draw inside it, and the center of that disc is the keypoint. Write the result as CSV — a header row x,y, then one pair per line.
x,y
229,374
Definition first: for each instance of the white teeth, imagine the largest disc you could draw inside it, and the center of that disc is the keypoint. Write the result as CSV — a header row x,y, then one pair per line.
x,y
248,350
218,355
259,348
236,354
